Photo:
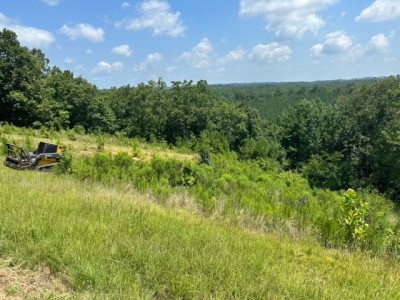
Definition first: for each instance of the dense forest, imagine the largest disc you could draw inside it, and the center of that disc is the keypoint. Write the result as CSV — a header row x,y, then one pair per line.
x,y
337,134
271,99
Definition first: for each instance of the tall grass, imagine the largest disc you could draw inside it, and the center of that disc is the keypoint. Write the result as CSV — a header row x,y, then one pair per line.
x,y
244,193
248,193
115,244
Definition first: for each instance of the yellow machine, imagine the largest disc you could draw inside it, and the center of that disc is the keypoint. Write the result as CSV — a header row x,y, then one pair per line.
x,y
44,158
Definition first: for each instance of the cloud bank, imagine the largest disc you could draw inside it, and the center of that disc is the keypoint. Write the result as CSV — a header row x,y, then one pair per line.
x,y
289,19
157,16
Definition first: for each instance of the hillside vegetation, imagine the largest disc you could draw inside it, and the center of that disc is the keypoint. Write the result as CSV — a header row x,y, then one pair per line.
x,y
187,191
118,244
253,194
343,135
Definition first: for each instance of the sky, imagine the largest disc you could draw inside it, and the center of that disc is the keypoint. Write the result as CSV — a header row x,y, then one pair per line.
x,y
112,43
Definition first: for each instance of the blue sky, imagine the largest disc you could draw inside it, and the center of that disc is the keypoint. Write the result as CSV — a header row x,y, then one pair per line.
x,y
114,43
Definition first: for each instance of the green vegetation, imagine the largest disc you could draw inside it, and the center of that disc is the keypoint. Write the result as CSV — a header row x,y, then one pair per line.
x,y
246,194
271,99
338,134
116,244
255,194
354,143
192,191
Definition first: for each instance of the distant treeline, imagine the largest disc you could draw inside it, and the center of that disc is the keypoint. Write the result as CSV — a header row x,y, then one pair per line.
x,y
338,134
271,99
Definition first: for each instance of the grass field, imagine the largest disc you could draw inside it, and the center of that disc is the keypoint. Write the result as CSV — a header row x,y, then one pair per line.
x,y
108,243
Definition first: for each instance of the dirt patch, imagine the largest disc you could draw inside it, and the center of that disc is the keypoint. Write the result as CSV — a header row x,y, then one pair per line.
x,y
18,283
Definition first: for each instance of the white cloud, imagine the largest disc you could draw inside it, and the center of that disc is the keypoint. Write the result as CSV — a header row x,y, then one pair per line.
x,y
28,36
381,10
341,46
270,53
153,58
125,5
230,57
335,42
157,16
104,67
378,44
89,51
80,68
33,37
316,50
69,60
200,56
150,62
83,31
4,20
289,19
52,2
170,69
123,50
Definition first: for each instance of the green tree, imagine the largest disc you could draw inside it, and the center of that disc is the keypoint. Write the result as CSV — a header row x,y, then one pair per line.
x,y
309,128
369,118
22,88
386,153
77,102
188,110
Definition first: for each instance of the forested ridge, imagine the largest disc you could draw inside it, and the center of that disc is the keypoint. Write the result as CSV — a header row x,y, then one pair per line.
x,y
337,134
271,99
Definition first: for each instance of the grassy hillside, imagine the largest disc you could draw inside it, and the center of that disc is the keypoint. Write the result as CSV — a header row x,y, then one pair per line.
x,y
116,244
135,220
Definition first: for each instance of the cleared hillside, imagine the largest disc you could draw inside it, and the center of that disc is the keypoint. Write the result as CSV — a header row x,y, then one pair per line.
x,y
117,244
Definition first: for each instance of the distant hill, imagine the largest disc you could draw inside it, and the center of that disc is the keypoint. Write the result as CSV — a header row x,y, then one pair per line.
x,y
271,98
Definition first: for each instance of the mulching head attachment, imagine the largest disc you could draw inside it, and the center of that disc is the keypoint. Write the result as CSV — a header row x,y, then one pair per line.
x,y
17,158
43,158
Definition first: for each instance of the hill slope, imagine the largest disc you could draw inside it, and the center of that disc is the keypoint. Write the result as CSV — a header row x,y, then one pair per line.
x,y
118,244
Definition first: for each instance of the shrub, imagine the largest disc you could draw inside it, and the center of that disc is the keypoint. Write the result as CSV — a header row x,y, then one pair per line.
x,y
136,150
354,210
8,128
100,143
71,135
79,129
3,147
204,156
65,165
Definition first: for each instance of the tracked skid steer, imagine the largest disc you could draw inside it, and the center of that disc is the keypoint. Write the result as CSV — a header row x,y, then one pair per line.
x,y
44,158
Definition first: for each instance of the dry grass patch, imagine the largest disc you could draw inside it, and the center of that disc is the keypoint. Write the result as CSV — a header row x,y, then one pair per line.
x,y
87,145
19,283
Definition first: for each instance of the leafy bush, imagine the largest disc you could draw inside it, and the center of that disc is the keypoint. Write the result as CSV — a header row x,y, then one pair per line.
x,y
354,210
79,129
65,165
327,171
204,156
